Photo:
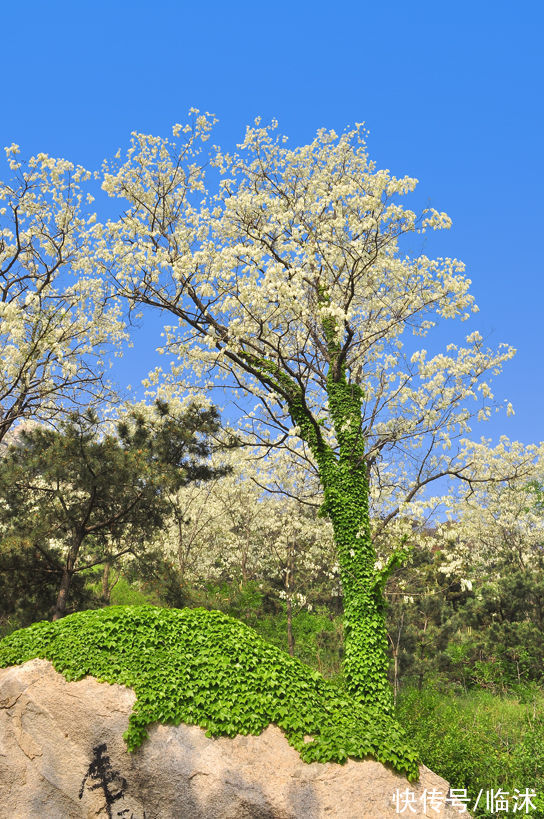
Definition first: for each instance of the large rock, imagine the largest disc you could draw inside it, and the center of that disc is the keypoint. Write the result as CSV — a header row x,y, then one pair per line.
x,y
62,755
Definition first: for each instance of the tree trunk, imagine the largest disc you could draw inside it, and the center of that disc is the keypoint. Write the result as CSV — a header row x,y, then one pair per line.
x,y
422,647
106,590
290,636
395,675
62,597
395,648
67,575
345,484
366,660
289,572
346,504
343,476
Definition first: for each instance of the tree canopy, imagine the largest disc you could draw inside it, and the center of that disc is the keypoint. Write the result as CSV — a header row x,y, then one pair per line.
x,y
57,319
294,265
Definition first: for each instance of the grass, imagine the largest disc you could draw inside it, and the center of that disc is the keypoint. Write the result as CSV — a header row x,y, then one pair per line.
x,y
479,741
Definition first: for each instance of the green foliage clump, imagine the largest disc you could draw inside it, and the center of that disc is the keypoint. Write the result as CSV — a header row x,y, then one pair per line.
x,y
318,633
205,668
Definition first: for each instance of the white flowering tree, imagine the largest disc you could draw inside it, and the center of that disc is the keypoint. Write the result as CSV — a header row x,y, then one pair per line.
x,y
497,527
56,318
294,284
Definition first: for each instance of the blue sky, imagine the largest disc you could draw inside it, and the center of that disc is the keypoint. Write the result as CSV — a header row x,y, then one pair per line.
x,y
451,94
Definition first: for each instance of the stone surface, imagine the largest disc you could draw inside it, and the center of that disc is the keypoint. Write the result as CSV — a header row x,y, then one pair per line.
x,y
62,756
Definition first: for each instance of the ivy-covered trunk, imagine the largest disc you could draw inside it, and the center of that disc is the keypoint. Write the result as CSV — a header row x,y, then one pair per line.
x,y
344,479
365,637
346,490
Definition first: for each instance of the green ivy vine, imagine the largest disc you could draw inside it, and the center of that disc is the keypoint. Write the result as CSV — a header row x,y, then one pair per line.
x,y
344,479
204,668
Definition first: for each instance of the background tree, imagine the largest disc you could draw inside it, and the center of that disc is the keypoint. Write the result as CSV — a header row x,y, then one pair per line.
x,y
494,538
469,606
230,530
98,499
29,583
293,284
56,318
497,528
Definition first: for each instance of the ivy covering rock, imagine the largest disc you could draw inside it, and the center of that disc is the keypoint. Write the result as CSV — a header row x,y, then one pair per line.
x,y
204,668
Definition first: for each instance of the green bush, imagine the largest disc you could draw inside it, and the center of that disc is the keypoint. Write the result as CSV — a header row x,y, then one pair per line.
x,y
127,594
479,741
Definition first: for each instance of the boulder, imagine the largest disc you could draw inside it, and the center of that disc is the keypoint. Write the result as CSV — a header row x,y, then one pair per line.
x,y
62,756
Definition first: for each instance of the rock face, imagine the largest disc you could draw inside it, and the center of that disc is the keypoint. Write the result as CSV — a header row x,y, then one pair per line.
x,y
62,756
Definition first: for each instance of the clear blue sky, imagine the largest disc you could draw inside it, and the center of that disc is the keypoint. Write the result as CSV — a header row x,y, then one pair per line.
x,y
452,94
